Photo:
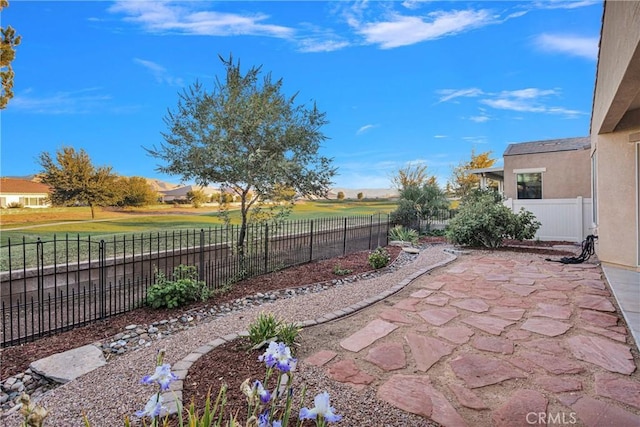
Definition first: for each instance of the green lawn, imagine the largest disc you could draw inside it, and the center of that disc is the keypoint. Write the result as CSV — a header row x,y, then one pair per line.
x,y
74,221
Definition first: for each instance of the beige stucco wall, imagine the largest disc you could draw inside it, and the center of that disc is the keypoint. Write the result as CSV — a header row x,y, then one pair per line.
x,y
617,74
567,175
617,221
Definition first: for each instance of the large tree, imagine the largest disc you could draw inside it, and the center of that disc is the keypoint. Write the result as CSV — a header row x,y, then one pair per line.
x,y
9,41
135,191
247,136
76,181
462,181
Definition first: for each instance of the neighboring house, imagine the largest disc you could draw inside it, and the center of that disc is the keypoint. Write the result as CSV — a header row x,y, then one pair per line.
x,y
551,179
615,137
551,169
29,194
180,193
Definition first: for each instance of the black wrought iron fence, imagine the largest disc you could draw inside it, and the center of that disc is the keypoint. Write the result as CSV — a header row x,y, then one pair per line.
x,y
48,286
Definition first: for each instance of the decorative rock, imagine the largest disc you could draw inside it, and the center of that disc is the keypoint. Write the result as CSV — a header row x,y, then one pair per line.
x,y
130,327
479,371
66,366
518,409
388,357
602,352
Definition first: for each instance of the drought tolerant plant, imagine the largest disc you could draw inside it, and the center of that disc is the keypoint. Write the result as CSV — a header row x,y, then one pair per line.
x,y
402,234
33,415
267,328
483,220
379,258
184,287
339,271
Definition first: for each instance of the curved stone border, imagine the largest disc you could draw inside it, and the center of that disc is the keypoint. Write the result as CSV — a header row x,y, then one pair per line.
x,y
173,398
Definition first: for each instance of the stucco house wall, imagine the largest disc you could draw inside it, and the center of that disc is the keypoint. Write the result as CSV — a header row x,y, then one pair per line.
x,y
615,136
566,173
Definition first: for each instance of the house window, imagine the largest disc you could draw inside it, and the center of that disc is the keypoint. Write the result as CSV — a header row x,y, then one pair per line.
x,y
529,185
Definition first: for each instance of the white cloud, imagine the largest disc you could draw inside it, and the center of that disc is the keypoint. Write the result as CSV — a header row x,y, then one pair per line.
x,y
584,47
159,72
449,94
76,102
564,4
479,119
172,17
365,128
400,30
318,45
529,100
440,136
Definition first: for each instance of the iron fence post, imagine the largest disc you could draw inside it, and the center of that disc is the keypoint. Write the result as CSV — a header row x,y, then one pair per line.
x,y
201,260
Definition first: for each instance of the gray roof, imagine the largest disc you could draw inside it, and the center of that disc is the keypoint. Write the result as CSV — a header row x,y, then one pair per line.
x,y
549,146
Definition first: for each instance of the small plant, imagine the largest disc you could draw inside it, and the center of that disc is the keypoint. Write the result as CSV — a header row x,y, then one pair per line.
x,y
33,414
379,258
264,328
267,328
185,287
403,234
339,271
15,205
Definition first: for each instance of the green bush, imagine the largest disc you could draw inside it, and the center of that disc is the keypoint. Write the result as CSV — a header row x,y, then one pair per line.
x,y
15,205
339,271
402,234
406,214
483,220
184,287
340,195
267,328
379,258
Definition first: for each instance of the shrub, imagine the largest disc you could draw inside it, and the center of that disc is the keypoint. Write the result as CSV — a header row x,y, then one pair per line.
x,y
406,214
360,196
483,220
267,328
183,288
15,205
340,195
402,234
339,271
379,258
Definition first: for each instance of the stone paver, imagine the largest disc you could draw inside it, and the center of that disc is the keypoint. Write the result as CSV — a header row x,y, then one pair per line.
x,y
426,351
388,357
618,388
472,304
368,335
489,324
438,316
321,358
518,410
69,365
548,327
479,371
501,342
602,352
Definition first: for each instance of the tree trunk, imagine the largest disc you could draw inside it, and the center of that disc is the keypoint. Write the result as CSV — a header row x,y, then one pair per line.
x,y
93,213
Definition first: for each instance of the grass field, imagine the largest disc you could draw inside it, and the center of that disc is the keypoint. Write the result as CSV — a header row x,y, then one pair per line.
x,y
16,224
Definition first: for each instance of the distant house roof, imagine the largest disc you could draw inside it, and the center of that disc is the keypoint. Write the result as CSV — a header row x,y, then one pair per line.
x,y
182,191
548,146
22,186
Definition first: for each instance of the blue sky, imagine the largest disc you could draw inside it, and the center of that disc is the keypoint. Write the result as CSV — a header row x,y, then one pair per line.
x,y
402,82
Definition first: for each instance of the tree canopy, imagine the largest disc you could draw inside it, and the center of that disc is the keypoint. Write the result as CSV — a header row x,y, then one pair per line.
x,y
9,41
245,135
76,181
462,182
412,176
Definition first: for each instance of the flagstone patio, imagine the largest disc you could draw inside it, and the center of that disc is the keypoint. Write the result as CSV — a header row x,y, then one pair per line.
x,y
490,340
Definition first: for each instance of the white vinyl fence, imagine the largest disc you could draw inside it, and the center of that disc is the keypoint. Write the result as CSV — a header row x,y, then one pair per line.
x,y
562,219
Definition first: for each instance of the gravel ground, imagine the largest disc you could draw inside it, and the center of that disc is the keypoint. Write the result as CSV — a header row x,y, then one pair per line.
x,y
110,393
